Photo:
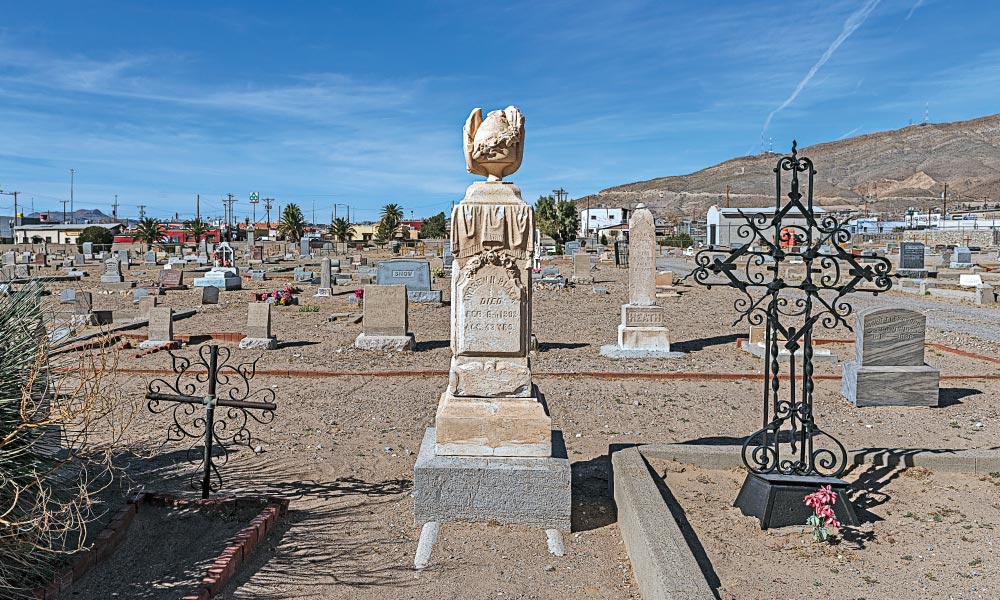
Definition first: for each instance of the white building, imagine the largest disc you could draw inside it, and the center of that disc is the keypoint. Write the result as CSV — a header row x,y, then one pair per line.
x,y
592,220
723,224
57,233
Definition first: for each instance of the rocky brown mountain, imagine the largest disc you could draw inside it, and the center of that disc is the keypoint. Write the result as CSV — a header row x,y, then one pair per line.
x,y
888,171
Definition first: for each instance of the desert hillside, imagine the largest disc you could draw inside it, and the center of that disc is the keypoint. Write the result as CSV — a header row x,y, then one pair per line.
x,y
907,167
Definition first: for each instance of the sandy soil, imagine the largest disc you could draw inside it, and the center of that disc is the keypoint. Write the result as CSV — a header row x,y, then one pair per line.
x,y
165,554
925,535
343,447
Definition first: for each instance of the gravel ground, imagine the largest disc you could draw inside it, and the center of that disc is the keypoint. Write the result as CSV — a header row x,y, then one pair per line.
x,y
343,447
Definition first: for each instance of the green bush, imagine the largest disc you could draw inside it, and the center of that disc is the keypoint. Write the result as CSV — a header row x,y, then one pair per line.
x,y
98,236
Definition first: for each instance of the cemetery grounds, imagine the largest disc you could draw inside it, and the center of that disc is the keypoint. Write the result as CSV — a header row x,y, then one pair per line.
x,y
344,439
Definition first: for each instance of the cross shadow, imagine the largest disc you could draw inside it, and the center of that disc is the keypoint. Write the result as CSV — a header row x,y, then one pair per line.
x,y
953,396
702,343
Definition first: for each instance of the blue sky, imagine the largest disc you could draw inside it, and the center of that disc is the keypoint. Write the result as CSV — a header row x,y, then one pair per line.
x,y
362,103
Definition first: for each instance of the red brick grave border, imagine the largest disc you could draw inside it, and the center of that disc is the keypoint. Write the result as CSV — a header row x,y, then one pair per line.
x,y
222,569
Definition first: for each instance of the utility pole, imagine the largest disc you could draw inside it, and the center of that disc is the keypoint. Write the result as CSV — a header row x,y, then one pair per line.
x,y
944,204
727,195
114,209
267,207
64,203
197,207
230,220
15,205
142,211
72,208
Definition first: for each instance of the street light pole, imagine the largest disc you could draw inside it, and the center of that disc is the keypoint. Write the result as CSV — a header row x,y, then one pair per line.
x,y
72,208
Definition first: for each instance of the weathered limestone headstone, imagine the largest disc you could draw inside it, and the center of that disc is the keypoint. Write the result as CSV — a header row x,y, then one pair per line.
x,y
643,332
149,258
414,274
665,285
112,271
161,327
324,278
303,248
88,250
492,455
67,296
209,295
889,368
386,321
9,258
259,328
581,268
146,305
78,260
123,258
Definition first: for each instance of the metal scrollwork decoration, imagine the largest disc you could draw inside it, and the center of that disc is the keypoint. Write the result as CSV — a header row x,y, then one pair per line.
x,y
792,235
211,381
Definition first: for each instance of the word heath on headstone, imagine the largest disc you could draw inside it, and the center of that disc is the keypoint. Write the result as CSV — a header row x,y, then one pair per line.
x,y
643,332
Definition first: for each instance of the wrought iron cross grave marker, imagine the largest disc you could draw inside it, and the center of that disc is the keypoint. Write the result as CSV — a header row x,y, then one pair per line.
x,y
791,456
219,385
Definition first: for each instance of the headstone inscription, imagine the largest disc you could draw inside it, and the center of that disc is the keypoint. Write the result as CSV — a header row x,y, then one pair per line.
x,y
386,321
912,260
581,268
259,328
414,274
889,368
149,258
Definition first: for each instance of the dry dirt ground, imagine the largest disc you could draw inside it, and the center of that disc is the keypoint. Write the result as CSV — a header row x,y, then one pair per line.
x,y
343,442
925,535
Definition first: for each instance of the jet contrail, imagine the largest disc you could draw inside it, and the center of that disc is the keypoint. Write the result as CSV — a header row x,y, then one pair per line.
x,y
914,9
853,22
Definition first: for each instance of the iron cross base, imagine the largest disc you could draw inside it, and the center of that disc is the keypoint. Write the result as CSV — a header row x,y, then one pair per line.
x,y
777,500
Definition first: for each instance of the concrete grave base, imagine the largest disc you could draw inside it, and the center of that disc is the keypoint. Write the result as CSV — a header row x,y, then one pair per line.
x,y
958,265
385,342
249,343
819,355
424,296
517,427
890,386
508,490
912,273
617,352
323,292
153,344
121,285
227,283
112,279
644,338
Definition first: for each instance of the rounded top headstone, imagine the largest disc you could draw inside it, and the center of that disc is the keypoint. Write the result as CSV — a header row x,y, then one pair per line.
x,y
640,206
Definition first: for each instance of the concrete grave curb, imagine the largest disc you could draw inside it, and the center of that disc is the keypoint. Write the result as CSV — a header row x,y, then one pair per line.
x,y
662,560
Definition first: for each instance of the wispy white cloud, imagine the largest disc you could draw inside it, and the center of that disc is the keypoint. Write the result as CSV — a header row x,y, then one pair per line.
x,y
917,5
852,23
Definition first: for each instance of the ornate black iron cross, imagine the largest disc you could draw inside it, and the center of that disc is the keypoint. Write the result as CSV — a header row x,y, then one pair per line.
x,y
215,430
789,310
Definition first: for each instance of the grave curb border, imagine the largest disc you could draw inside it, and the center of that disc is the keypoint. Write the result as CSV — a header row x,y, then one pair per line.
x,y
658,552
219,572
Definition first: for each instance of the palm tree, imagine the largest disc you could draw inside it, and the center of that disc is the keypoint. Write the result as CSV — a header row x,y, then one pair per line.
x,y
390,218
292,223
342,229
148,231
198,229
